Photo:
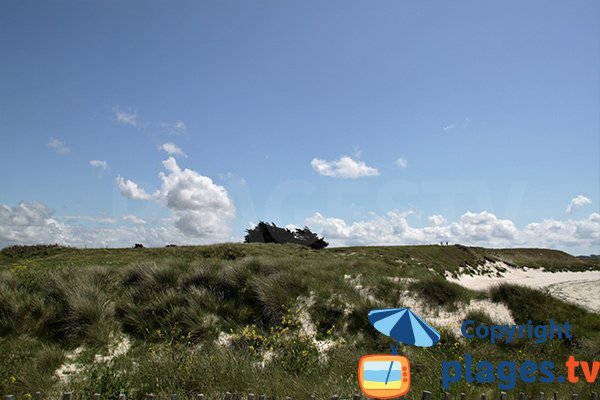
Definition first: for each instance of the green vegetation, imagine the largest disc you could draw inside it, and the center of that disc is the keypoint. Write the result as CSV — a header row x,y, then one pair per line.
x,y
284,320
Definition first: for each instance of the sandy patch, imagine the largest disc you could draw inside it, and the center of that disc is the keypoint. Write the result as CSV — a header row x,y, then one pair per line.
x,y
452,320
72,366
309,329
581,288
119,347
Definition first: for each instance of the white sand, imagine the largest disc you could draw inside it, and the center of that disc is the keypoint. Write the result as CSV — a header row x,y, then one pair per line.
x,y
120,346
581,288
452,320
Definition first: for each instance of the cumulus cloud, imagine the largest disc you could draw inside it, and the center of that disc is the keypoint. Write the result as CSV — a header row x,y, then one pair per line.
x,y
58,146
201,207
476,229
100,164
437,220
28,222
207,208
131,190
35,223
577,202
571,233
172,149
345,167
402,162
134,220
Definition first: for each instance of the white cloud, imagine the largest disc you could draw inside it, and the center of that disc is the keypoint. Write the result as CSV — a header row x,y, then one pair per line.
x,y
134,220
475,229
100,164
59,146
131,190
437,220
88,218
345,167
132,118
577,202
201,207
448,127
402,162
35,223
208,209
28,223
172,149
126,118
571,233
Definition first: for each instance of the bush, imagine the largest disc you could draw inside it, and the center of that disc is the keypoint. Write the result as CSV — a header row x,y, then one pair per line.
x,y
271,233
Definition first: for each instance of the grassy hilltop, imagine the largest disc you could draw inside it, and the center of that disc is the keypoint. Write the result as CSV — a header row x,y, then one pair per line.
x,y
277,319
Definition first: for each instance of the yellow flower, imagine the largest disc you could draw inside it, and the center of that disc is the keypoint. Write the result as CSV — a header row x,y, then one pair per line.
x,y
12,380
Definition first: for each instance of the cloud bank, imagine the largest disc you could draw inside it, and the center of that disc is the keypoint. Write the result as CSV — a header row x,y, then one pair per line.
x,y
202,215
474,229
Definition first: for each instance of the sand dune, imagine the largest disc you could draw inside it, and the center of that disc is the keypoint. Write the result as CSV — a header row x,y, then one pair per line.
x,y
581,288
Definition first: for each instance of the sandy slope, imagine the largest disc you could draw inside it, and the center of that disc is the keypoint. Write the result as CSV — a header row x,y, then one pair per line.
x,y
582,288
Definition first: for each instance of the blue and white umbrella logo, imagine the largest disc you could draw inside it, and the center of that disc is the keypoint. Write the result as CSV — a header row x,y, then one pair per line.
x,y
403,325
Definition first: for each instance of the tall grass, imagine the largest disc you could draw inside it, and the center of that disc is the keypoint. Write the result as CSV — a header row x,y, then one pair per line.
x,y
174,303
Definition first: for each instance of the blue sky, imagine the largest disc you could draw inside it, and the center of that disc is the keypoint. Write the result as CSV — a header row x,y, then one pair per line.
x,y
372,122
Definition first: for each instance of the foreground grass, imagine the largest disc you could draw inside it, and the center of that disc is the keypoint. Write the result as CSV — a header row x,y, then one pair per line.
x,y
176,304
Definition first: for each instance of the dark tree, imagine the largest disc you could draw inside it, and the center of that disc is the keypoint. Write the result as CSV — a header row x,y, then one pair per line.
x,y
271,233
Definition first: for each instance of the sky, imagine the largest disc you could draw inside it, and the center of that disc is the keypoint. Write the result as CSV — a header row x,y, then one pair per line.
x,y
388,122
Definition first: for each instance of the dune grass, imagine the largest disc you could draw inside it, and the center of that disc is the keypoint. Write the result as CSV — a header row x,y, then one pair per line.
x,y
176,304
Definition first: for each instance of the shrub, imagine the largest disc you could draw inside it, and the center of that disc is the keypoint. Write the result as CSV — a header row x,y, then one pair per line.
x,y
271,233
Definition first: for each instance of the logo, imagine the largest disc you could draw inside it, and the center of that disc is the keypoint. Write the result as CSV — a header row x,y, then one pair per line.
x,y
384,376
